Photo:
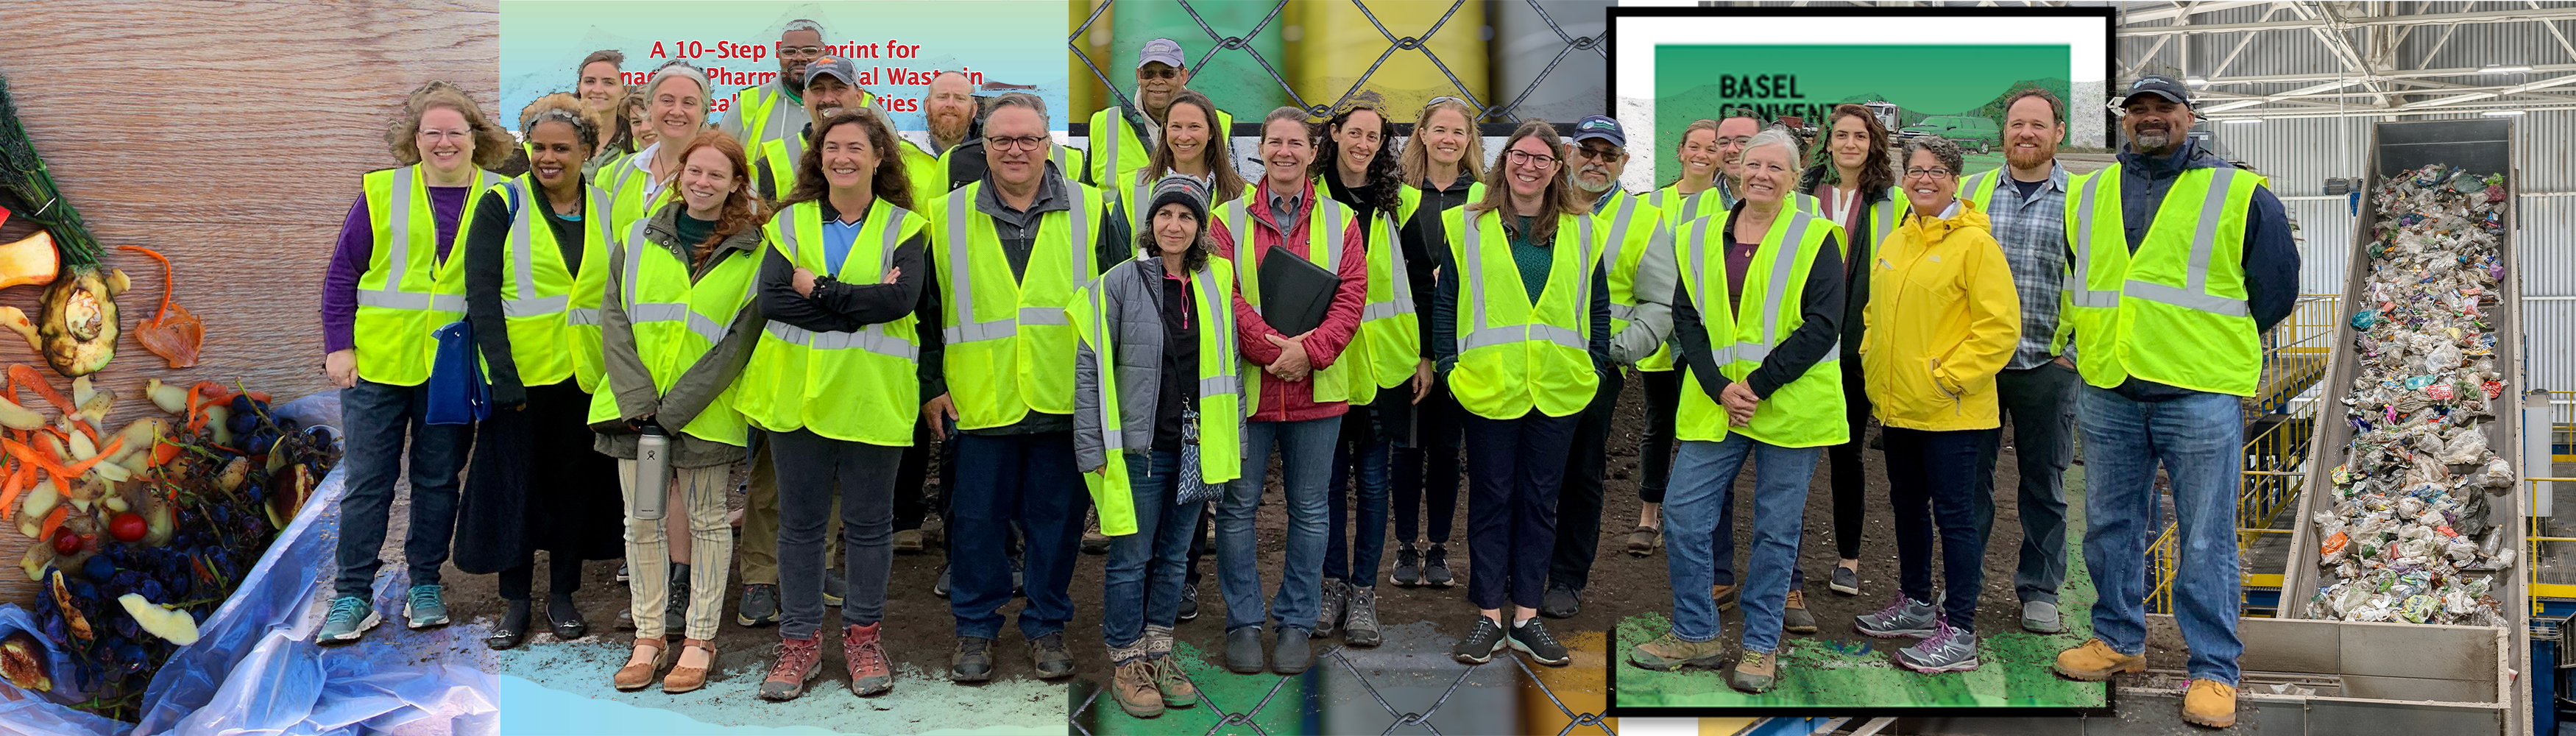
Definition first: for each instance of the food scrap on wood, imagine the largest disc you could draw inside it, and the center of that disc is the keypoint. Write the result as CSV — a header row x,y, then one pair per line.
x,y
77,332
172,333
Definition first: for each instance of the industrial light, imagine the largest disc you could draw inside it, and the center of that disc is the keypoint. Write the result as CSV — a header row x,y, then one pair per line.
x,y
2244,120
2500,113
2500,69
2199,82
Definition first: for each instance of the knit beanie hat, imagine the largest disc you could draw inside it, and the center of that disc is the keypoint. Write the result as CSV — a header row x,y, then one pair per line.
x,y
1181,189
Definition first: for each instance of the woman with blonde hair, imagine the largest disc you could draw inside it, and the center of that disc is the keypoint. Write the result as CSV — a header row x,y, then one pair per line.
x,y
1439,162
382,298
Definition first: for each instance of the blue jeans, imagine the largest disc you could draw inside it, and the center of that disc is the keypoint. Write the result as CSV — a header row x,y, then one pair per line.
x,y
1353,557
1305,457
1931,481
1143,576
377,417
1703,485
1023,481
2198,438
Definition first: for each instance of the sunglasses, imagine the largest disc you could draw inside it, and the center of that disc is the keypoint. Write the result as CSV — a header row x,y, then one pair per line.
x,y
1163,73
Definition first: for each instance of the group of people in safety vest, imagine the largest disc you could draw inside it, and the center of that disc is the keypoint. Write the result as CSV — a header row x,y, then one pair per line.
x,y
804,290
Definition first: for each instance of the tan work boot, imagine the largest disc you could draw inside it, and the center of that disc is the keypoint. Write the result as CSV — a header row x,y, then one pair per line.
x,y
2094,661
1794,616
1135,689
1755,673
1725,593
1670,652
2209,703
1178,691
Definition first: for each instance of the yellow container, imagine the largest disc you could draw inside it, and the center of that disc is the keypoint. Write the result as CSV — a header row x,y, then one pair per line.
x,y
1332,44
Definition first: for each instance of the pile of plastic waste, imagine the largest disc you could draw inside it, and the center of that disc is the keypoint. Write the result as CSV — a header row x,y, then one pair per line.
x,y
2408,538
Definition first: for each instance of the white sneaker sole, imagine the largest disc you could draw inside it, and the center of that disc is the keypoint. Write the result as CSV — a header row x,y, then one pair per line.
x,y
1938,669
364,626
417,624
1534,656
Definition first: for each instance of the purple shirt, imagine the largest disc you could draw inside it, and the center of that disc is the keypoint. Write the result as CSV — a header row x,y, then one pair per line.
x,y
358,246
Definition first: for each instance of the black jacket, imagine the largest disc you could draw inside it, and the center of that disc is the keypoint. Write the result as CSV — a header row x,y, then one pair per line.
x,y
1855,263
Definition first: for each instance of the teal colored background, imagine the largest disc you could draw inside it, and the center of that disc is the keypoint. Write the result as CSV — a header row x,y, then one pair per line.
x,y
1011,41
1924,80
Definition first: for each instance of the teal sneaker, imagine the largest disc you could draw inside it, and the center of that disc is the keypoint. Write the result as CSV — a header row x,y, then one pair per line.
x,y
350,618
426,608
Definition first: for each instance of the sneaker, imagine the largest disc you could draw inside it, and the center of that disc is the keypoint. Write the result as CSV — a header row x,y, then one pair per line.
x,y
1329,615
621,572
1177,690
973,660
1359,619
1293,653
1481,643
1243,650
1048,655
1669,652
1845,581
1531,638
908,542
350,618
425,607
1408,567
1726,594
870,674
1135,691
759,605
2040,617
1560,602
1905,617
1093,542
799,660
1189,604
1794,617
2209,703
941,588
834,586
1756,673
2095,661
1435,568
1948,650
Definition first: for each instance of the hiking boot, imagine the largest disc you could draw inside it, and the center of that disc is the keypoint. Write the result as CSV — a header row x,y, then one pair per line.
x,y
350,618
1948,650
1726,594
1293,653
1481,643
1189,604
973,660
1845,581
2095,661
1135,691
1670,652
2209,703
834,586
1329,615
1243,650
1408,567
1794,617
1359,619
759,605
1531,638
1905,617
1048,655
799,660
675,612
1175,685
908,542
1094,542
870,674
1560,602
1756,673
425,607
1435,568
2040,617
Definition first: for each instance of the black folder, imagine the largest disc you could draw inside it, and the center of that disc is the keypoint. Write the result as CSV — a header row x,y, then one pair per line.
x,y
1295,292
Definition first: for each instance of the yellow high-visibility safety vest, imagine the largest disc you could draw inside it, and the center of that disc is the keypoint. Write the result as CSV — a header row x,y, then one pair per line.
x,y
758,109
921,172
774,171
1220,408
1007,349
1116,152
1806,412
1634,229
676,321
1679,209
854,386
1325,224
627,182
1066,158
1516,356
1390,334
2174,312
408,291
554,332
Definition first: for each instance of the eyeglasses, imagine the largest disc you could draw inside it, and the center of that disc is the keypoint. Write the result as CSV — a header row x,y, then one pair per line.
x,y
1015,143
1597,153
1524,157
800,52
1928,173
1734,141
1163,73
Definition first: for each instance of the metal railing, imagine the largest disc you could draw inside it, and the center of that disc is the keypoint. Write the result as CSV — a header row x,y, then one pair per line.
x,y
2532,540
2562,426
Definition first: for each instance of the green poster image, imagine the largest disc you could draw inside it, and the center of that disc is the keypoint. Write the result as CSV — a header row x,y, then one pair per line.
x,y
1955,91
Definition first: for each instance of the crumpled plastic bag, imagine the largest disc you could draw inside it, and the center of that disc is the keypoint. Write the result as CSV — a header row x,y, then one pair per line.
x,y
2466,448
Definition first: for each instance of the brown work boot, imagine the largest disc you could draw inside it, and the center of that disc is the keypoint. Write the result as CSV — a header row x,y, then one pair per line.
x,y
1178,691
651,655
1794,616
2209,703
1669,652
2094,661
1725,594
1756,673
799,660
1135,689
869,672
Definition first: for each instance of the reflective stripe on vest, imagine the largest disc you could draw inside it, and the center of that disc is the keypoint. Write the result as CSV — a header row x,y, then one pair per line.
x,y
1472,283
1804,412
2164,312
407,289
1323,248
518,302
398,261
962,326
1541,364
2194,294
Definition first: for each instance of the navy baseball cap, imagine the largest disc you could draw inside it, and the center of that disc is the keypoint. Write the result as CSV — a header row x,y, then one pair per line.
x,y
1600,127
831,66
2160,86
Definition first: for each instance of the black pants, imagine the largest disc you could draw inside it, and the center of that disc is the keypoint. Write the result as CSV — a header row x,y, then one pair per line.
x,y
1514,469
1663,399
1427,469
1851,480
813,470
2039,406
1578,504
1930,479
563,577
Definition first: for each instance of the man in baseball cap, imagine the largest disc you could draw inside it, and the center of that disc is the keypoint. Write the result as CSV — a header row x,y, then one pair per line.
x,y
1122,138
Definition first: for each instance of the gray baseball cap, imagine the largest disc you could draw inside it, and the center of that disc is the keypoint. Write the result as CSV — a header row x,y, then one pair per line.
x,y
1163,50
832,65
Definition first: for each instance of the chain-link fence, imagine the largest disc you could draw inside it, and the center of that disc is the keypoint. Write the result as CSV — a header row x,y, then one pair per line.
x,y
1246,720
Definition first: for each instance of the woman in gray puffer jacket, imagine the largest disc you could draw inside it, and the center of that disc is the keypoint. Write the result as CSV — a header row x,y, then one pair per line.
x,y
1163,418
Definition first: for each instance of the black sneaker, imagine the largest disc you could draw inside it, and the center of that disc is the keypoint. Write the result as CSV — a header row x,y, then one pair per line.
x,y
973,660
834,586
1189,602
1435,568
1532,639
1560,602
941,588
1408,567
1481,644
1047,654
759,605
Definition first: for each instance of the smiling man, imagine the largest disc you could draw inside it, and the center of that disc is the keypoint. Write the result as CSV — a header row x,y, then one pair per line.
x,y
777,111
2168,314
1122,138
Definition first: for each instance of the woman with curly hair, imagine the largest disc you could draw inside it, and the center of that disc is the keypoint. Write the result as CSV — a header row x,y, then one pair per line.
x,y
391,284
1854,185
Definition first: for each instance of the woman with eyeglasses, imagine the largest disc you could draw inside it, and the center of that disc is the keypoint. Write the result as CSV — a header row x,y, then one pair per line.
x,y
1854,185
1438,164
1945,319
1520,323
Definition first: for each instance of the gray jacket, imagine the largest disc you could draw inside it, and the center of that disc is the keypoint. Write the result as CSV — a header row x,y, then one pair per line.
x,y
632,383
1132,296
1651,325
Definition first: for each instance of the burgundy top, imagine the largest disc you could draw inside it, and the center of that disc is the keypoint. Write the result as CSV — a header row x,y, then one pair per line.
x,y
357,246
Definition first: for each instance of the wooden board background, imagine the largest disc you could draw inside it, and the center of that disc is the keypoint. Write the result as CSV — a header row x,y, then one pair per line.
x,y
229,136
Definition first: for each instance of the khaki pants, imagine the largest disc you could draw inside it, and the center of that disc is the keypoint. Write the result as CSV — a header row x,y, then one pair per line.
x,y
759,553
701,493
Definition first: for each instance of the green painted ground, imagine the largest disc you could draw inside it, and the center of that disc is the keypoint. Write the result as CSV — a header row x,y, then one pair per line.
x,y
1818,672
1286,713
